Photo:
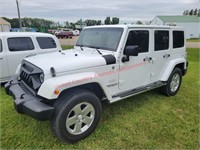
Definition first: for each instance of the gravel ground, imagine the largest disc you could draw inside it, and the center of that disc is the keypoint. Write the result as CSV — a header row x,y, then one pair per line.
x,y
193,44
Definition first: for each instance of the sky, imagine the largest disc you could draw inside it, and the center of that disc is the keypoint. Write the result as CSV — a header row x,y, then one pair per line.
x,y
129,11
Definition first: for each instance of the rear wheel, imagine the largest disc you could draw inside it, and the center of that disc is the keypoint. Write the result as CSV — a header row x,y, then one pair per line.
x,y
76,115
173,83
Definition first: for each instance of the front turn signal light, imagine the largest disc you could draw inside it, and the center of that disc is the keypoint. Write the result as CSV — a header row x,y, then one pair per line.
x,y
56,92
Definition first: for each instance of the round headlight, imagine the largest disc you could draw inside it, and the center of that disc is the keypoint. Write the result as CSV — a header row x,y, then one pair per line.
x,y
41,78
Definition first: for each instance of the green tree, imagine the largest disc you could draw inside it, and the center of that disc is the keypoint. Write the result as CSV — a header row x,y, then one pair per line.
x,y
198,13
107,21
186,12
139,22
41,24
67,24
98,22
115,20
14,22
72,25
195,12
89,22
191,12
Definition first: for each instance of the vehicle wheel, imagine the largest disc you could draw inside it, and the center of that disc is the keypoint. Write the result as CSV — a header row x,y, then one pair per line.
x,y
76,115
173,83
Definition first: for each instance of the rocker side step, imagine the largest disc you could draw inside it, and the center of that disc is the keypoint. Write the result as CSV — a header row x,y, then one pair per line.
x,y
136,91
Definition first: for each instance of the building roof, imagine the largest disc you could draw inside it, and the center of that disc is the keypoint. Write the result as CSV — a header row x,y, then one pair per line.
x,y
179,18
2,21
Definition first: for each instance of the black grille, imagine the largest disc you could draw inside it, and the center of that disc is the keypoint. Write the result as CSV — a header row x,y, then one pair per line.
x,y
26,78
30,75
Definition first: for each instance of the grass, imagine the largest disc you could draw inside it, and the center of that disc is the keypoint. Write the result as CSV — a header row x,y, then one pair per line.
x,y
64,47
193,40
146,121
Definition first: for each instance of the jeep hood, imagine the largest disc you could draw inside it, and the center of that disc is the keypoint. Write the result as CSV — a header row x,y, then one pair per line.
x,y
68,60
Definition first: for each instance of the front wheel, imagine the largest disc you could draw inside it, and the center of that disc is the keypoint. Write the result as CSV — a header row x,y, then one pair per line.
x,y
76,115
173,83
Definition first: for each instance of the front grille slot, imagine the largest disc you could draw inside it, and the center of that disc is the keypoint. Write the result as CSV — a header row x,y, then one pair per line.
x,y
26,78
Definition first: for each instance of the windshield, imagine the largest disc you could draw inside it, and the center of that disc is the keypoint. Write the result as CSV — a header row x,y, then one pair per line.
x,y
100,38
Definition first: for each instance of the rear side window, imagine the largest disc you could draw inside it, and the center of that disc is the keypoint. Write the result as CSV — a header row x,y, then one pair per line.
x,y
139,38
1,49
46,42
20,44
178,39
161,40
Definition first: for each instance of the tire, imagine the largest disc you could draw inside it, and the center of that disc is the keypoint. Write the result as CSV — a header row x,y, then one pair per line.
x,y
173,83
76,115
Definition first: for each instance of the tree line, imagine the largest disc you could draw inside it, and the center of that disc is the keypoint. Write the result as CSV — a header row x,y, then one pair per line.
x,y
192,12
42,25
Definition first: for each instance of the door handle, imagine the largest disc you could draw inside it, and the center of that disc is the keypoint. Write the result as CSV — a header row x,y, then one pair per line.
x,y
147,59
30,55
166,56
1,58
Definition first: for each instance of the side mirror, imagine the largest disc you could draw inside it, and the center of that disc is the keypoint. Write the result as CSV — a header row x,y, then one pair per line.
x,y
130,51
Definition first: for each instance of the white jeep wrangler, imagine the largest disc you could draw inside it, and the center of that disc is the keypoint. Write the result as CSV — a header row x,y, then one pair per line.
x,y
107,63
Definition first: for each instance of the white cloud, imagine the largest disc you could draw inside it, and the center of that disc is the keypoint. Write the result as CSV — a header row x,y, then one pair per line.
x,y
127,10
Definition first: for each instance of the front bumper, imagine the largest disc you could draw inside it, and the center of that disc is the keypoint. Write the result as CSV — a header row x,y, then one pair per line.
x,y
26,103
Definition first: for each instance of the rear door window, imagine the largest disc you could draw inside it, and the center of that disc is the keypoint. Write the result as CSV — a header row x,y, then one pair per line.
x,y
20,44
161,40
178,39
46,42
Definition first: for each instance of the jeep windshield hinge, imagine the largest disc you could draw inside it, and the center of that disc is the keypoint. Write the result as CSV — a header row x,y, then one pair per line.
x,y
53,72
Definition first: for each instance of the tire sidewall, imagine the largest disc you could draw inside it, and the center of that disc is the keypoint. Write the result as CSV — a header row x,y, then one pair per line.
x,y
175,71
66,107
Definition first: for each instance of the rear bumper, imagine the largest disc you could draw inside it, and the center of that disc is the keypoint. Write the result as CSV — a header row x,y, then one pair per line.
x,y
26,103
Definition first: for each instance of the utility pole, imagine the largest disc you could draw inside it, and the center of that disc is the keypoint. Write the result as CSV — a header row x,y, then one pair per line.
x,y
20,24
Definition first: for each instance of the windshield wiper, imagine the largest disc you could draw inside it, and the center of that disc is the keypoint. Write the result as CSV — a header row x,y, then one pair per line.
x,y
81,46
95,49
98,51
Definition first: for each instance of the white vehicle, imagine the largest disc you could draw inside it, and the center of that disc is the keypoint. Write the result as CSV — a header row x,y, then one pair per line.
x,y
15,46
76,32
108,63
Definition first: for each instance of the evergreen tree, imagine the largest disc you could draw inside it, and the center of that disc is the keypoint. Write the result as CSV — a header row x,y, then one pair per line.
x,y
198,13
139,22
115,20
107,20
195,12
191,12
